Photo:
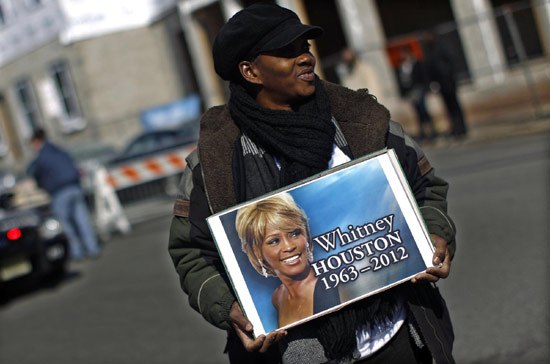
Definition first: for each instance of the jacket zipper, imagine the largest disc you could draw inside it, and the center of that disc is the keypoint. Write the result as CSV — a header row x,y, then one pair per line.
x,y
436,335
205,189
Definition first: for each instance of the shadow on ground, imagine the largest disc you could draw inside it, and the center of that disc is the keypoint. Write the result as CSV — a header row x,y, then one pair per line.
x,y
26,286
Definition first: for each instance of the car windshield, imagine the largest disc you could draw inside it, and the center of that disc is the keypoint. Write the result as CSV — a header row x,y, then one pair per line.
x,y
92,151
150,142
158,140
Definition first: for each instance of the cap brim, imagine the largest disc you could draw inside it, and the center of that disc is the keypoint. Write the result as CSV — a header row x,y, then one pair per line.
x,y
289,34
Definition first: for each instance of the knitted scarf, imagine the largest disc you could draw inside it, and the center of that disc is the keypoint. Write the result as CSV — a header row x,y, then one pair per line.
x,y
302,142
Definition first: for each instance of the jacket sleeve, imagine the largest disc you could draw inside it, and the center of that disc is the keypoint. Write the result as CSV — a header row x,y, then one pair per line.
x,y
194,254
429,190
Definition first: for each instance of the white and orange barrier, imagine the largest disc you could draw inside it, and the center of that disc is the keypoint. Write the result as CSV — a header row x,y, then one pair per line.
x,y
110,215
148,168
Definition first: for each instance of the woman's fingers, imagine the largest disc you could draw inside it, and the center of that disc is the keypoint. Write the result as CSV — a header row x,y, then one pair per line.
x,y
243,328
272,338
442,260
237,317
440,249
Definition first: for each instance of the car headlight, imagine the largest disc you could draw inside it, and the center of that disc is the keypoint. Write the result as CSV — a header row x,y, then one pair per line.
x,y
8,181
50,228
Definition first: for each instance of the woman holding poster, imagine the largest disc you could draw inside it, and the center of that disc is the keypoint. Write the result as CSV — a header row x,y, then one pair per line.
x,y
283,124
275,235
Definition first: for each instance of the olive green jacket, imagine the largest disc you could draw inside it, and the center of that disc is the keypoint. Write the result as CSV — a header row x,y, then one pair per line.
x,y
207,187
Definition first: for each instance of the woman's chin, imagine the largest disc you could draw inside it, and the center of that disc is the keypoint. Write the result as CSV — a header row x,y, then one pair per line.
x,y
297,273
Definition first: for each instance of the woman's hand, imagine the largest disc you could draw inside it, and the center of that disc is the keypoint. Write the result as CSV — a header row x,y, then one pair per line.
x,y
441,260
243,328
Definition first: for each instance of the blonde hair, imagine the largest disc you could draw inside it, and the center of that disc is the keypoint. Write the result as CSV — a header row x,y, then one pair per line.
x,y
279,211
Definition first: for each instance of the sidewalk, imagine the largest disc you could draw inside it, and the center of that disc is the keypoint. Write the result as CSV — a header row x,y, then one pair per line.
x,y
505,109
494,130
149,209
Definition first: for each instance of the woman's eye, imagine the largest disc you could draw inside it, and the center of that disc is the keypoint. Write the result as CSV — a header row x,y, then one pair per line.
x,y
296,232
272,241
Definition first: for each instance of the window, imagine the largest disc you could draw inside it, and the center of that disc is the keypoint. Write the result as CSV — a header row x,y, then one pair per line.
x,y
4,146
7,12
2,15
32,4
65,89
519,15
64,93
28,104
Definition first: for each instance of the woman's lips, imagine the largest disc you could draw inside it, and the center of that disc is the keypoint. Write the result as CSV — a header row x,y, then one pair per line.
x,y
292,260
307,76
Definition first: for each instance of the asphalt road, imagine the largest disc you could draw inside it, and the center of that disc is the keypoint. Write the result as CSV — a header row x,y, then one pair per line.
x,y
126,307
498,292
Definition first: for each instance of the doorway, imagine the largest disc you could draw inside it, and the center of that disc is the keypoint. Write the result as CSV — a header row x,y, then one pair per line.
x,y
409,20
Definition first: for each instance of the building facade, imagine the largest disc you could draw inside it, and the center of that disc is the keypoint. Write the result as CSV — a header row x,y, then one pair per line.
x,y
86,70
478,30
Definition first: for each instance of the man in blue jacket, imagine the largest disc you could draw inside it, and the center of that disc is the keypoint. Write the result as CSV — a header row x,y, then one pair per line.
x,y
55,172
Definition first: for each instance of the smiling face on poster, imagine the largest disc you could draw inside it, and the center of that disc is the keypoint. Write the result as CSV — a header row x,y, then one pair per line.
x,y
275,236
307,250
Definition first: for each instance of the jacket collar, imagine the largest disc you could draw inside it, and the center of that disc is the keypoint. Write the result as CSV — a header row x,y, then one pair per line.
x,y
364,125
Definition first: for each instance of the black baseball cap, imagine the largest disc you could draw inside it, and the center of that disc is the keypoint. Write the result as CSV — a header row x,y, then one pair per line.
x,y
253,30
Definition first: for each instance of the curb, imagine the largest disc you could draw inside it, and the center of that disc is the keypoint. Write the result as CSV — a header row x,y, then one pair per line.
x,y
489,132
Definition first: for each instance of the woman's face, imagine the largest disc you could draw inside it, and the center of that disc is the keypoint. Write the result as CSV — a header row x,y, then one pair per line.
x,y
285,251
286,75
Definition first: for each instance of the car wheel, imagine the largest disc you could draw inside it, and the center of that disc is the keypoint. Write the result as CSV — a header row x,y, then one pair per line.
x,y
59,269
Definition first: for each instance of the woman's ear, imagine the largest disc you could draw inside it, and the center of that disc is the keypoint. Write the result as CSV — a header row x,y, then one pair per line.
x,y
249,72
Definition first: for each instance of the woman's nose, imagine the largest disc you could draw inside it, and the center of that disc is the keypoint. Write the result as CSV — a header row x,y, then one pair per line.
x,y
306,58
288,245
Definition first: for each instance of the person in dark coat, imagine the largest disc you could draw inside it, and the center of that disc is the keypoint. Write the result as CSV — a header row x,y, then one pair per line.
x,y
441,66
283,124
414,80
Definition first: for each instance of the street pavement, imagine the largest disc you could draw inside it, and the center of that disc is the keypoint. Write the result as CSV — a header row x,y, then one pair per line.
x,y
127,307
498,292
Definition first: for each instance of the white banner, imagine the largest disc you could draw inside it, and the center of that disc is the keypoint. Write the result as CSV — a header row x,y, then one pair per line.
x,y
90,18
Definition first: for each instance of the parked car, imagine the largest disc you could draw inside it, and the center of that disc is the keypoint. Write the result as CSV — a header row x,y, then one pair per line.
x,y
7,180
157,141
151,164
32,241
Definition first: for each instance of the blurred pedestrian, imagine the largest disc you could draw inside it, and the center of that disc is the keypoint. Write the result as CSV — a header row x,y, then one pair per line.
x,y
414,81
283,124
355,73
56,173
441,64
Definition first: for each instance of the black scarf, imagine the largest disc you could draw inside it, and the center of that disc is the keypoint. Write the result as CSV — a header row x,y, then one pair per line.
x,y
302,142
